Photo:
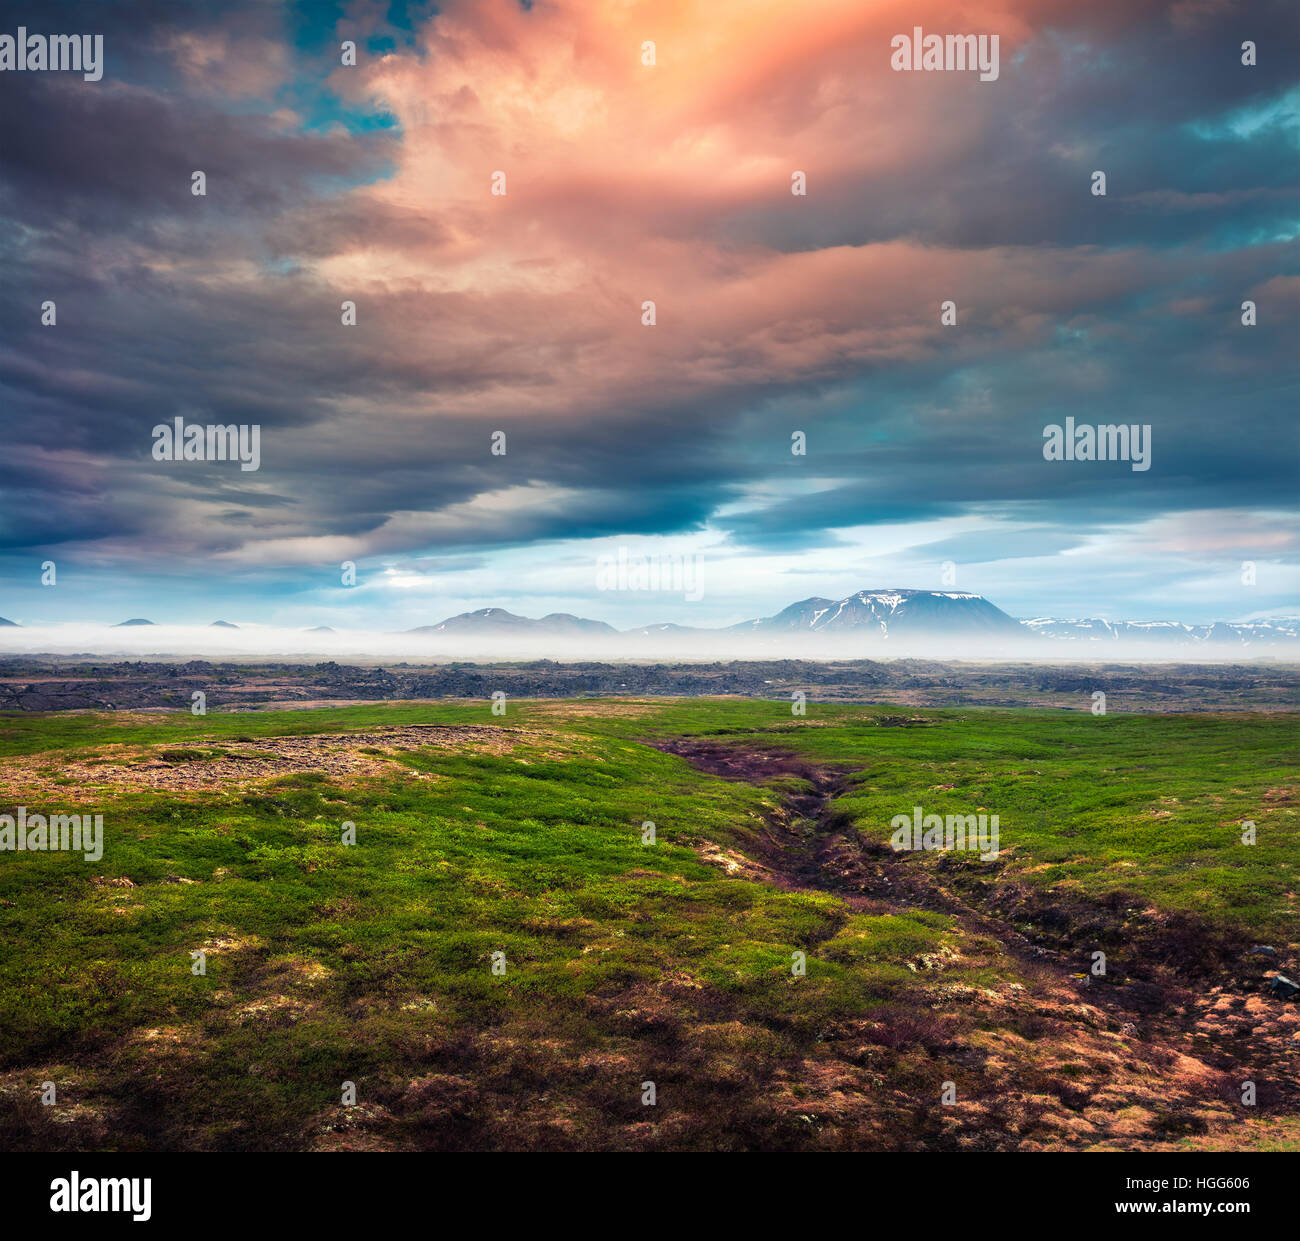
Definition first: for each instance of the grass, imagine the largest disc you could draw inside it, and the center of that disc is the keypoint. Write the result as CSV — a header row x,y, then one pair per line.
x,y
623,962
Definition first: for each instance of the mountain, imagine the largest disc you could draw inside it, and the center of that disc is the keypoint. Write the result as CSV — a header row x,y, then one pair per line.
x,y
3,622
566,623
497,622
1282,629
936,622
659,631
868,624
896,614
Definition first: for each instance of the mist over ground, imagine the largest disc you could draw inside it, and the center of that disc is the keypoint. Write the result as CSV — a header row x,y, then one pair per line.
x,y
262,642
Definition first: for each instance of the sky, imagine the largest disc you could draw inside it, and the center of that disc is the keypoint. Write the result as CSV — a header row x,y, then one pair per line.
x,y
518,319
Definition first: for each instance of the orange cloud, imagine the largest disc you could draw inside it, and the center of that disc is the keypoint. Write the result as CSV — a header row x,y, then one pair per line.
x,y
625,183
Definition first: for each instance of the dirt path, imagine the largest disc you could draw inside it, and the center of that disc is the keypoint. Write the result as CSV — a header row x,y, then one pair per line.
x,y
1189,1043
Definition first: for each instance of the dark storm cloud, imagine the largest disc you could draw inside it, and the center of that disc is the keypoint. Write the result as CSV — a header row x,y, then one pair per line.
x,y
83,159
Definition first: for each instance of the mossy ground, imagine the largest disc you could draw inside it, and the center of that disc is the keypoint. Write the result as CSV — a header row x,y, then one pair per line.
x,y
624,962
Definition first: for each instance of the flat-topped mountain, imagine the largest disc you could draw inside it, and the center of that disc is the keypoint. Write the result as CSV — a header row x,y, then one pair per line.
x,y
890,614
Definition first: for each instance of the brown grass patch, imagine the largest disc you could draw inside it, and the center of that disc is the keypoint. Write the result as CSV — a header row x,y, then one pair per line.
x,y
239,763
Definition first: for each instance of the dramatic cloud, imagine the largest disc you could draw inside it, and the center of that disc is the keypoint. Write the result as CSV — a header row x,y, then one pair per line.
x,y
625,183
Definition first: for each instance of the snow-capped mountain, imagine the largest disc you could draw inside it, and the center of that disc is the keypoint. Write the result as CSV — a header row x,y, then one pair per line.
x,y
1278,630
879,622
883,614
869,624
662,631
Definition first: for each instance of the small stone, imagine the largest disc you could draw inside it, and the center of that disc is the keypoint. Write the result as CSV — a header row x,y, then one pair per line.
x,y
1283,987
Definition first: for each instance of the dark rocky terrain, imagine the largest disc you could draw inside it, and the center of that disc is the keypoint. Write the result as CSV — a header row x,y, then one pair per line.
x,y
50,684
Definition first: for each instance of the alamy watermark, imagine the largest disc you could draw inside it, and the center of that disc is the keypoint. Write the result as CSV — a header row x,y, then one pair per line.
x,y
974,833
128,1195
65,833
56,53
672,574
953,52
175,441
1085,442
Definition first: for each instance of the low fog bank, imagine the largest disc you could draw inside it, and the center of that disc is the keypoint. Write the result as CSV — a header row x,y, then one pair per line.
x,y
267,643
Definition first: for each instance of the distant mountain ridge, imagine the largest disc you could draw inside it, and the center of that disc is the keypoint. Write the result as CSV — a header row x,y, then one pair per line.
x,y
876,613
499,622
949,623
1097,629
882,616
